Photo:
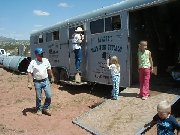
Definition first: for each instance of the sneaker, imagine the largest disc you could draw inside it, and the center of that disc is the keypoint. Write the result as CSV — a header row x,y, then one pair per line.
x,y
144,98
39,112
47,112
115,98
138,96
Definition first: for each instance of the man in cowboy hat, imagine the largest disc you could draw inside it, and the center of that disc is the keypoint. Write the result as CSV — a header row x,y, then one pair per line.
x,y
77,41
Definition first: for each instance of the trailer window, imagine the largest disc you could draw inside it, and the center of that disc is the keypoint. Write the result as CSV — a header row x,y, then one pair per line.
x,y
56,35
48,37
112,23
71,32
97,26
40,38
2,51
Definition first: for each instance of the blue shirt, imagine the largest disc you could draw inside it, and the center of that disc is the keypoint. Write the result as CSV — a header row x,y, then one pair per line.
x,y
166,126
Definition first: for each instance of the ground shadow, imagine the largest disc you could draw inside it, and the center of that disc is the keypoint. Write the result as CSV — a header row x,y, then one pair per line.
x,y
129,94
165,84
160,84
31,110
99,90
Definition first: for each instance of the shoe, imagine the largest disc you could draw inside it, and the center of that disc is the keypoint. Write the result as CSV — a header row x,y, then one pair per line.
x,y
115,98
138,96
144,98
47,112
39,112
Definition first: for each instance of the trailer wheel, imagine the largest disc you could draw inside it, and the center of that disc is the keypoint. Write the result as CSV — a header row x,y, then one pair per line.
x,y
63,75
56,74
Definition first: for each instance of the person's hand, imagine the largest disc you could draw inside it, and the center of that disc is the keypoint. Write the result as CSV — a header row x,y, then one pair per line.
x,y
29,85
151,70
51,80
147,125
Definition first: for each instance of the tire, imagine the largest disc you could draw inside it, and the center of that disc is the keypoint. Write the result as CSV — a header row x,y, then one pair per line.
x,y
63,75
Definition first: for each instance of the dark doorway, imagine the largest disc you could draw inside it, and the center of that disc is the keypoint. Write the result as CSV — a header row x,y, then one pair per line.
x,y
160,26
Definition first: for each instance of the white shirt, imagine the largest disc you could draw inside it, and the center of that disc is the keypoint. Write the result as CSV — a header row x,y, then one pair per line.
x,y
77,40
114,70
39,69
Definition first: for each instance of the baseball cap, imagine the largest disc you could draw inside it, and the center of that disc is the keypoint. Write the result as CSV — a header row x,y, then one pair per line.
x,y
39,51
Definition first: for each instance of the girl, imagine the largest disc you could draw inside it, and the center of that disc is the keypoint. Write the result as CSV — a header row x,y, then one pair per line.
x,y
115,72
145,65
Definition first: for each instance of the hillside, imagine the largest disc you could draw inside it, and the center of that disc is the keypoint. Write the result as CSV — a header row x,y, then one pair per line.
x,y
6,39
11,45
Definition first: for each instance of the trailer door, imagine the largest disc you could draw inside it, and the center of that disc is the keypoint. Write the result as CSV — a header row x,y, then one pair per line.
x,y
112,39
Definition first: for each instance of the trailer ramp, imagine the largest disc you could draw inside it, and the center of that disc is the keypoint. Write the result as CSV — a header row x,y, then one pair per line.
x,y
126,116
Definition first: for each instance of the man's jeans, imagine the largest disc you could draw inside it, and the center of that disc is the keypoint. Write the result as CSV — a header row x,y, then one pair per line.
x,y
78,58
39,86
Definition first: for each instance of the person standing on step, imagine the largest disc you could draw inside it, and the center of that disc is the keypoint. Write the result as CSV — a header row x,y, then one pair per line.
x,y
40,70
145,67
78,38
114,66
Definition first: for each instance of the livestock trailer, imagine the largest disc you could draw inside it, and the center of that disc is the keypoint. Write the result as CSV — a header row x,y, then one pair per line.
x,y
114,30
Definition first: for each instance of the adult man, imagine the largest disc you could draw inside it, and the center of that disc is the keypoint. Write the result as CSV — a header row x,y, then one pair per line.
x,y
77,41
40,69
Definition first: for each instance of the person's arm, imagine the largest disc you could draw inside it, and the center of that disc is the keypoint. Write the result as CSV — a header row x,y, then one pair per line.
x,y
29,85
77,39
108,62
150,124
151,61
30,75
153,122
176,125
50,75
138,60
49,71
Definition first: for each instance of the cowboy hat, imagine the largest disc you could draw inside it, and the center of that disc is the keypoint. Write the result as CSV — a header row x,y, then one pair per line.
x,y
79,29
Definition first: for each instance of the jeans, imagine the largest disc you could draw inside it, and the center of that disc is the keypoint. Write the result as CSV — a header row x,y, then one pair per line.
x,y
78,58
115,90
39,86
144,77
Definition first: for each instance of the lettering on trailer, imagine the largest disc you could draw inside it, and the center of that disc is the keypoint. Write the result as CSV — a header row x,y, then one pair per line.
x,y
104,39
106,45
102,71
53,53
109,47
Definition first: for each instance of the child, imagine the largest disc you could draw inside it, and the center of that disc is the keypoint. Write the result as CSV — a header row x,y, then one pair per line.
x,y
166,123
115,72
145,67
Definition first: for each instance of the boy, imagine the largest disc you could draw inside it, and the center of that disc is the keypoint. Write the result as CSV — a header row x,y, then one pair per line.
x,y
166,123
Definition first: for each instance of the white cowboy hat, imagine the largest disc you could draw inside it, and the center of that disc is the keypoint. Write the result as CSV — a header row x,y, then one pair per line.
x,y
79,29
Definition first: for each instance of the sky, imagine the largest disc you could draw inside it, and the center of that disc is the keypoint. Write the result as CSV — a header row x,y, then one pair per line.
x,y
20,18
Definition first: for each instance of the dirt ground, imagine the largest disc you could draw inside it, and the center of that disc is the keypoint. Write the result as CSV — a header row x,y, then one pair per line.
x,y
17,102
17,112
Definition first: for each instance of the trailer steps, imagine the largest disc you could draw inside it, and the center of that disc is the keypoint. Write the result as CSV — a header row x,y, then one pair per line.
x,y
73,82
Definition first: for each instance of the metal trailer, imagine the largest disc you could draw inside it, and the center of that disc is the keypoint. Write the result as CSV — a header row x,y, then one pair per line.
x,y
107,32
